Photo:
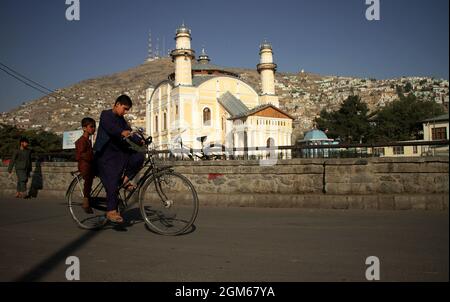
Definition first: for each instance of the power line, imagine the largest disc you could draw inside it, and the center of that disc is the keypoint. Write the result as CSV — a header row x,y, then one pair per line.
x,y
17,78
28,79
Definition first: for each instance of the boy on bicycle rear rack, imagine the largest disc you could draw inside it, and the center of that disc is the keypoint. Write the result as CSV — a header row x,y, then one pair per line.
x,y
85,158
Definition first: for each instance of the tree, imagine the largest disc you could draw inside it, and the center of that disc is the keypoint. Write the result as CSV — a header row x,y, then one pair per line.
x,y
350,123
40,141
408,87
399,90
401,119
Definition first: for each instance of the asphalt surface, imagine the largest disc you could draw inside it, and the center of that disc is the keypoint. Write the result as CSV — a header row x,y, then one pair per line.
x,y
227,244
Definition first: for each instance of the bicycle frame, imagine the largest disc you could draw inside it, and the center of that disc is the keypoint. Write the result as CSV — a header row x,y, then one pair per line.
x,y
151,171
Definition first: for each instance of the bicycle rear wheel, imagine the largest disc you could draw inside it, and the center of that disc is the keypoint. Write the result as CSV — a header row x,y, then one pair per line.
x,y
74,197
168,203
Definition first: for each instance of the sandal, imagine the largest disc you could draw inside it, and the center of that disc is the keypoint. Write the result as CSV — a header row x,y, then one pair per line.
x,y
114,217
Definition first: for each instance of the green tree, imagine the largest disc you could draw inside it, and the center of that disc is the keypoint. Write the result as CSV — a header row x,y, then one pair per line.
x,y
408,87
401,119
350,123
40,141
399,90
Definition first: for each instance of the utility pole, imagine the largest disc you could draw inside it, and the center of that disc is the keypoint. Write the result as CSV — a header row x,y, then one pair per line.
x,y
150,47
157,49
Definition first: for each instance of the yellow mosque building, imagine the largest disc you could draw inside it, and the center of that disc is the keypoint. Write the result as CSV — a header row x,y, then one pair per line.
x,y
204,100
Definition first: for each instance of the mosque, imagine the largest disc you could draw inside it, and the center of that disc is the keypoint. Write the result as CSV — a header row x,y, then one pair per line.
x,y
204,100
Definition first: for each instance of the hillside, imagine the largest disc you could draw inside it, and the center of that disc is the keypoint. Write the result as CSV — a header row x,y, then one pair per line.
x,y
303,95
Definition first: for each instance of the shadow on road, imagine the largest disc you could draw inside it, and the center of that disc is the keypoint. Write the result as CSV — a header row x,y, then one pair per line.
x,y
131,217
37,182
189,231
46,266
43,268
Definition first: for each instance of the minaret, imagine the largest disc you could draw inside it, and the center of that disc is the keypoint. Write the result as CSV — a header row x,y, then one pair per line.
x,y
183,55
267,69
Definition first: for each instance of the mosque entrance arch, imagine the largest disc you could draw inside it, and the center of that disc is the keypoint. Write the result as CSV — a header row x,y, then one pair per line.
x,y
270,144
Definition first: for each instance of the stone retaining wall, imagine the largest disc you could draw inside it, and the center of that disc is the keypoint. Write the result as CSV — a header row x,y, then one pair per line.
x,y
374,183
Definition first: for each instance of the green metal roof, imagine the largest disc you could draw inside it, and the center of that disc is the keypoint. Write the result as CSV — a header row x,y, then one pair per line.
x,y
208,66
249,112
198,80
232,105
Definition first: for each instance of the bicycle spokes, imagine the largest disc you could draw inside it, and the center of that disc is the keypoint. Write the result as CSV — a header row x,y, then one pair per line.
x,y
97,203
169,203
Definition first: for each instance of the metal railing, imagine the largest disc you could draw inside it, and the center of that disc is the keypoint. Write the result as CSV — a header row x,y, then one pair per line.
x,y
392,149
215,152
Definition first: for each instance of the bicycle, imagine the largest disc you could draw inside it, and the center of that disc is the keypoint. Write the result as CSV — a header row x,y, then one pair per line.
x,y
168,201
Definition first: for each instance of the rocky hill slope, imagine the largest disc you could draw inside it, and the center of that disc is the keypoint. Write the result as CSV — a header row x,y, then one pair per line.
x,y
303,95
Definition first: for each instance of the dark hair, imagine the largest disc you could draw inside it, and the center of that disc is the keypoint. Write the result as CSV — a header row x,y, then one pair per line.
x,y
24,139
124,100
87,121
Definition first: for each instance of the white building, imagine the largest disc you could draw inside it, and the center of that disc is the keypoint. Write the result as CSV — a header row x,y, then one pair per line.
x,y
201,99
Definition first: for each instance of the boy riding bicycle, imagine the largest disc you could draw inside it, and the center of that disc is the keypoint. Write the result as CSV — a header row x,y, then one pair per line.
x,y
113,156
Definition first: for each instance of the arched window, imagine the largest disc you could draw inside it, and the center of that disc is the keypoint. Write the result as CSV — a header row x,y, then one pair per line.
x,y
270,144
156,123
206,117
165,122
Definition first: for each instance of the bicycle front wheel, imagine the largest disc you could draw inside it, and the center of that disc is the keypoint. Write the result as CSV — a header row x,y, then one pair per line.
x,y
168,203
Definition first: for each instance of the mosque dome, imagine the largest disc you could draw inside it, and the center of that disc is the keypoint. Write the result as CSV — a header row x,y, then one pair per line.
x,y
265,45
315,135
203,58
183,30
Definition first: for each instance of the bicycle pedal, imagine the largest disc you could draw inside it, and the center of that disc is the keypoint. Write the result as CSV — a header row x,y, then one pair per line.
x,y
168,203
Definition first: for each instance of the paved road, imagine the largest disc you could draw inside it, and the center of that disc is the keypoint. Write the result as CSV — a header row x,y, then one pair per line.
x,y
228,244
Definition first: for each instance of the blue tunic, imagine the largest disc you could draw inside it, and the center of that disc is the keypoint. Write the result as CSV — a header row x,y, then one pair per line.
x,y
113,156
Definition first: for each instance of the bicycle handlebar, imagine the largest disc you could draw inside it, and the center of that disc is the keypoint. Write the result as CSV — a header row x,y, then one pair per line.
x,y
140,143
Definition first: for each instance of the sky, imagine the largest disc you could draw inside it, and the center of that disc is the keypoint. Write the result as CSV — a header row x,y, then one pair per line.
x,y
327,37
